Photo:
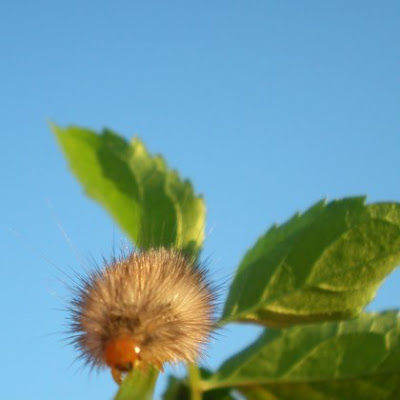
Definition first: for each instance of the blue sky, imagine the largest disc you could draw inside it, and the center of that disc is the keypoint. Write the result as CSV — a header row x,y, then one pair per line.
x,y
267,106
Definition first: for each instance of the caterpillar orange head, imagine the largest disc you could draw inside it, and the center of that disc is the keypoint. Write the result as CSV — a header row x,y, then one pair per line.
x,y
121,354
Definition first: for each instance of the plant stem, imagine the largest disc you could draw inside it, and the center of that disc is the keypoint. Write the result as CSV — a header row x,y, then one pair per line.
x,y
194,382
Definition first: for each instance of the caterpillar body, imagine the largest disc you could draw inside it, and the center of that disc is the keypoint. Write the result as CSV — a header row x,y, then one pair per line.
x,y
146,309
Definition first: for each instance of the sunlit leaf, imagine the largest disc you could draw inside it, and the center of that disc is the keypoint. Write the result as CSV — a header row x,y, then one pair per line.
x,y
138,386
321,265
149,201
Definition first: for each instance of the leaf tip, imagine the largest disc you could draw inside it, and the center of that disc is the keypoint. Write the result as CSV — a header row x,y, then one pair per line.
x,y
54,127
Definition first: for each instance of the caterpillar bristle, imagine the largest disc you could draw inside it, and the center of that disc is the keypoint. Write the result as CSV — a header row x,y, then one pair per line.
x,y
142,309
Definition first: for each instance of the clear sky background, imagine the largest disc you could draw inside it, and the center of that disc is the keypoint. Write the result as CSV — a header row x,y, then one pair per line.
x,y
268,106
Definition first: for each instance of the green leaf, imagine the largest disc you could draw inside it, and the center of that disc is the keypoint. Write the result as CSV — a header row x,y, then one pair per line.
x,y
325,264
382,387
178,389
219,394
150,202
357,359
137,385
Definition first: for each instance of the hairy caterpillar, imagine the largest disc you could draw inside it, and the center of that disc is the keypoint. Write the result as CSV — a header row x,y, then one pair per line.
x,y
149,308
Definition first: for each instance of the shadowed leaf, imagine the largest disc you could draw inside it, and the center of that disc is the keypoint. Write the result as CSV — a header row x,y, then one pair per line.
x,y
357,359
